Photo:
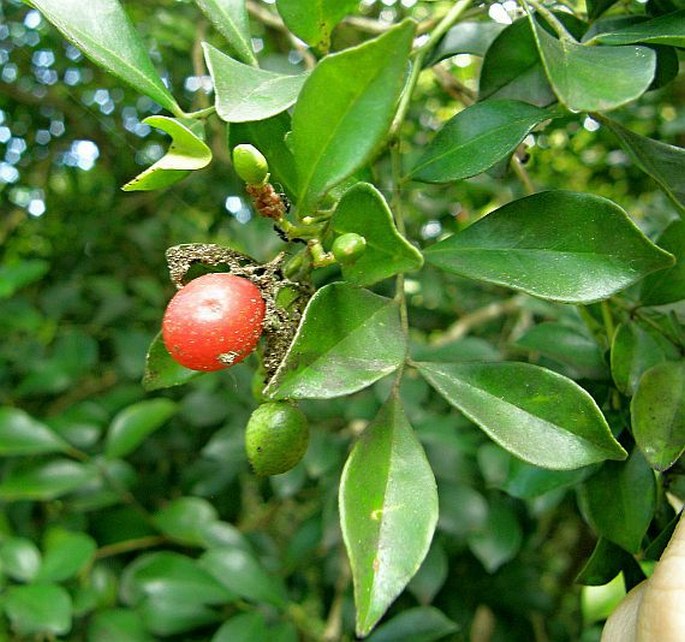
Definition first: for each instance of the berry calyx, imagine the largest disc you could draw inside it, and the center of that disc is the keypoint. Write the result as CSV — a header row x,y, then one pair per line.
x,y
276,438
250,165
347,248
213,322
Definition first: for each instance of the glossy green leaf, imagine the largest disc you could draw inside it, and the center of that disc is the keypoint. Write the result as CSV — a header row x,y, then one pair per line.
x,y
664,163
604,564
662,30
667,286
477,138
512,68
465,37
171,577
500,538
658,414
184,519
45,481
186,153
231,20
348,339
363,210
633,350
166,616
244,627
418,624
245,93
161,371
38,609
537,415
313,21
269,137
575,349
20,559
594,78
619,500
388,512
21,434
117,625
345,109
241,573
597,7
105,34
525,481
553,245
135,423
65,553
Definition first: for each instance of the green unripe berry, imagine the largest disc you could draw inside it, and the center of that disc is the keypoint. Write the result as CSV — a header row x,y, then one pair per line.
x,y
276,438
347,248
250,164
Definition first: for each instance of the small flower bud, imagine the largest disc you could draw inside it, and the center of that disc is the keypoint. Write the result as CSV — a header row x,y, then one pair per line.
x,y
250,164
347,248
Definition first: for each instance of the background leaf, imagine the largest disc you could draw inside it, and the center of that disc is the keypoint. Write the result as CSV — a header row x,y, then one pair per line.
x,y
658,414
117,625
244,627
613,506
668,286
21,434
230,19
20,559
135,423
38,609
477,138
185,519
244,93
313,21
105,34
187,152
65,553
580,74
537,415
633,350
553,245
388,512
45,481
419,624
662,30
345,109
348,338
363,210
465,37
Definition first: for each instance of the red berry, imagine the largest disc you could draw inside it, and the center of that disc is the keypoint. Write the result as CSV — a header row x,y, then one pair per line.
x,y
213,322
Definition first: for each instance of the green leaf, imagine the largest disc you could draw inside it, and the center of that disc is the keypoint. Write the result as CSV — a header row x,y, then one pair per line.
x,y
65,553
165,616
313,21
21,435
597,7
38,609
161,371
105,34
632,352
525,481
569,346
20,559
512,68
553,245
269,137
662,30
363,210
431,576
604,564
658,414
184,519
241,573
537,415
418,624
186,153
135,423
348,339
170,577
14,276
580,74
619,500
500,538
117,625
388,512
664,163
345,109
465,37
245,93
477,138
244,627
45,481
231,20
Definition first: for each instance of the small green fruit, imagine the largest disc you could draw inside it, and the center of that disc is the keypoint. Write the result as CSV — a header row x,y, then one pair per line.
x,y
250,164
276,438
347,248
